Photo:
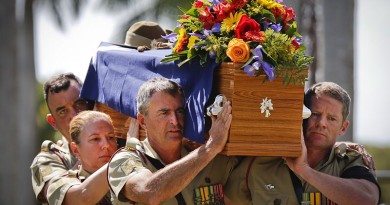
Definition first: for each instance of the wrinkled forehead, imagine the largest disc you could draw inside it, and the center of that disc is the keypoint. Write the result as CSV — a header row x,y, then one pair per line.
x,y
64,96
166,98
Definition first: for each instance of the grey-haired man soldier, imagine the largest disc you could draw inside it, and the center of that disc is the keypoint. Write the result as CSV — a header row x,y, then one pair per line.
x,y
159,170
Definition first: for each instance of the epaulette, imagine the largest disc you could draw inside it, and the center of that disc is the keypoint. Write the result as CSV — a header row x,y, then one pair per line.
x,y
48,145
342,150
132,143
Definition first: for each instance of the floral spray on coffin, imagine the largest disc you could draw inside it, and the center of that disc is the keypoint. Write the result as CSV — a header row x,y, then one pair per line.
x,y
263,69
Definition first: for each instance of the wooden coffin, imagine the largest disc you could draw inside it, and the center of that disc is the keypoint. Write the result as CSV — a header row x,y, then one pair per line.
x,y
251,132
120,121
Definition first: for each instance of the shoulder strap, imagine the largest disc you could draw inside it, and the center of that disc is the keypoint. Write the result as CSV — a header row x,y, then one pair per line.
x,y
297,185
48,145
156,163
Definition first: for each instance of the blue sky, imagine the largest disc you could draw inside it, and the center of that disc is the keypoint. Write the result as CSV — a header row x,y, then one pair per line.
x,y
71,50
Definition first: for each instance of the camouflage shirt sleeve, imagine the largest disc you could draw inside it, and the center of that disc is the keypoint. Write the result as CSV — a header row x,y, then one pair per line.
x,y
120,168
59,185
46,165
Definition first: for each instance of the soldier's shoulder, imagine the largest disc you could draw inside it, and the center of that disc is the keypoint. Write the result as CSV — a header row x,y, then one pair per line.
x,y
50,146
50,152
343,150
132,144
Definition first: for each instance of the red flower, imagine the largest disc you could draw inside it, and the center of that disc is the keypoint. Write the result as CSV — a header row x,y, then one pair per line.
x,y
206,17
198,4
278,12
295,44
245,25
236,4
222,10
185,16
181,44
257,36
289,14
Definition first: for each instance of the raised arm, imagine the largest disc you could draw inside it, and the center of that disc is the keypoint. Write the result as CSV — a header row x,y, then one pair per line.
x,y
154,188
337,189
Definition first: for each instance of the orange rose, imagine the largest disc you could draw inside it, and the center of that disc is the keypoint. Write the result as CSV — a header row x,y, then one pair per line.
x,y
238,51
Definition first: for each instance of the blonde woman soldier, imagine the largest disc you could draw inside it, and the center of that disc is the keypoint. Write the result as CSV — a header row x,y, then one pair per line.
x,y
93,143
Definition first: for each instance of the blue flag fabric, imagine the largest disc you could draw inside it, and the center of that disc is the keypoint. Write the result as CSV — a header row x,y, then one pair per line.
x,y
116,73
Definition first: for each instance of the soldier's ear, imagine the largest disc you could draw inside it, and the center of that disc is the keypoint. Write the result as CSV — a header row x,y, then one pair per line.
x,y
141,120
50,119
344,127
74,149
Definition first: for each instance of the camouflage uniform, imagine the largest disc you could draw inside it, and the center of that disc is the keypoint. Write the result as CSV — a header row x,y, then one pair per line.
x,y
140,155
267,180
61,184
52,161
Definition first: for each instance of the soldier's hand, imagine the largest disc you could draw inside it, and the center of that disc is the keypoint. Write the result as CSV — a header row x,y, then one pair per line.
x,y
220,127
298,164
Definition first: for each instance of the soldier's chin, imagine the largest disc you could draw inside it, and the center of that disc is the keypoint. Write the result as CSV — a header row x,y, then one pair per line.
x,y
319,143
104,160
176,135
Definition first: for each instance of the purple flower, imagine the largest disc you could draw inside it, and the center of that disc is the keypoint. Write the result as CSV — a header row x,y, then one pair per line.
x,y
212,54
269,70
197,35
216,28
250,69
279,1
170,37
259,62
276,27
215,2
207,32
299,40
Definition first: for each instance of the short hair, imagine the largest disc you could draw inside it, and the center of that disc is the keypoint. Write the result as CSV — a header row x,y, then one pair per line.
x,y
59,83
332,90
83,118
157,84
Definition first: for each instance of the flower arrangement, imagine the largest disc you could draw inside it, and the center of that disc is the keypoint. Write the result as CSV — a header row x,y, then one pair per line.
x,y
260,34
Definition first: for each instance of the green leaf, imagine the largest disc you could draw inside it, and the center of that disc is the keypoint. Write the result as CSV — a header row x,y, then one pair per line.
x,y
268,58
269,15
183,10
247,62
192,12
203,57
183,62
292,29
166,60
170,57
